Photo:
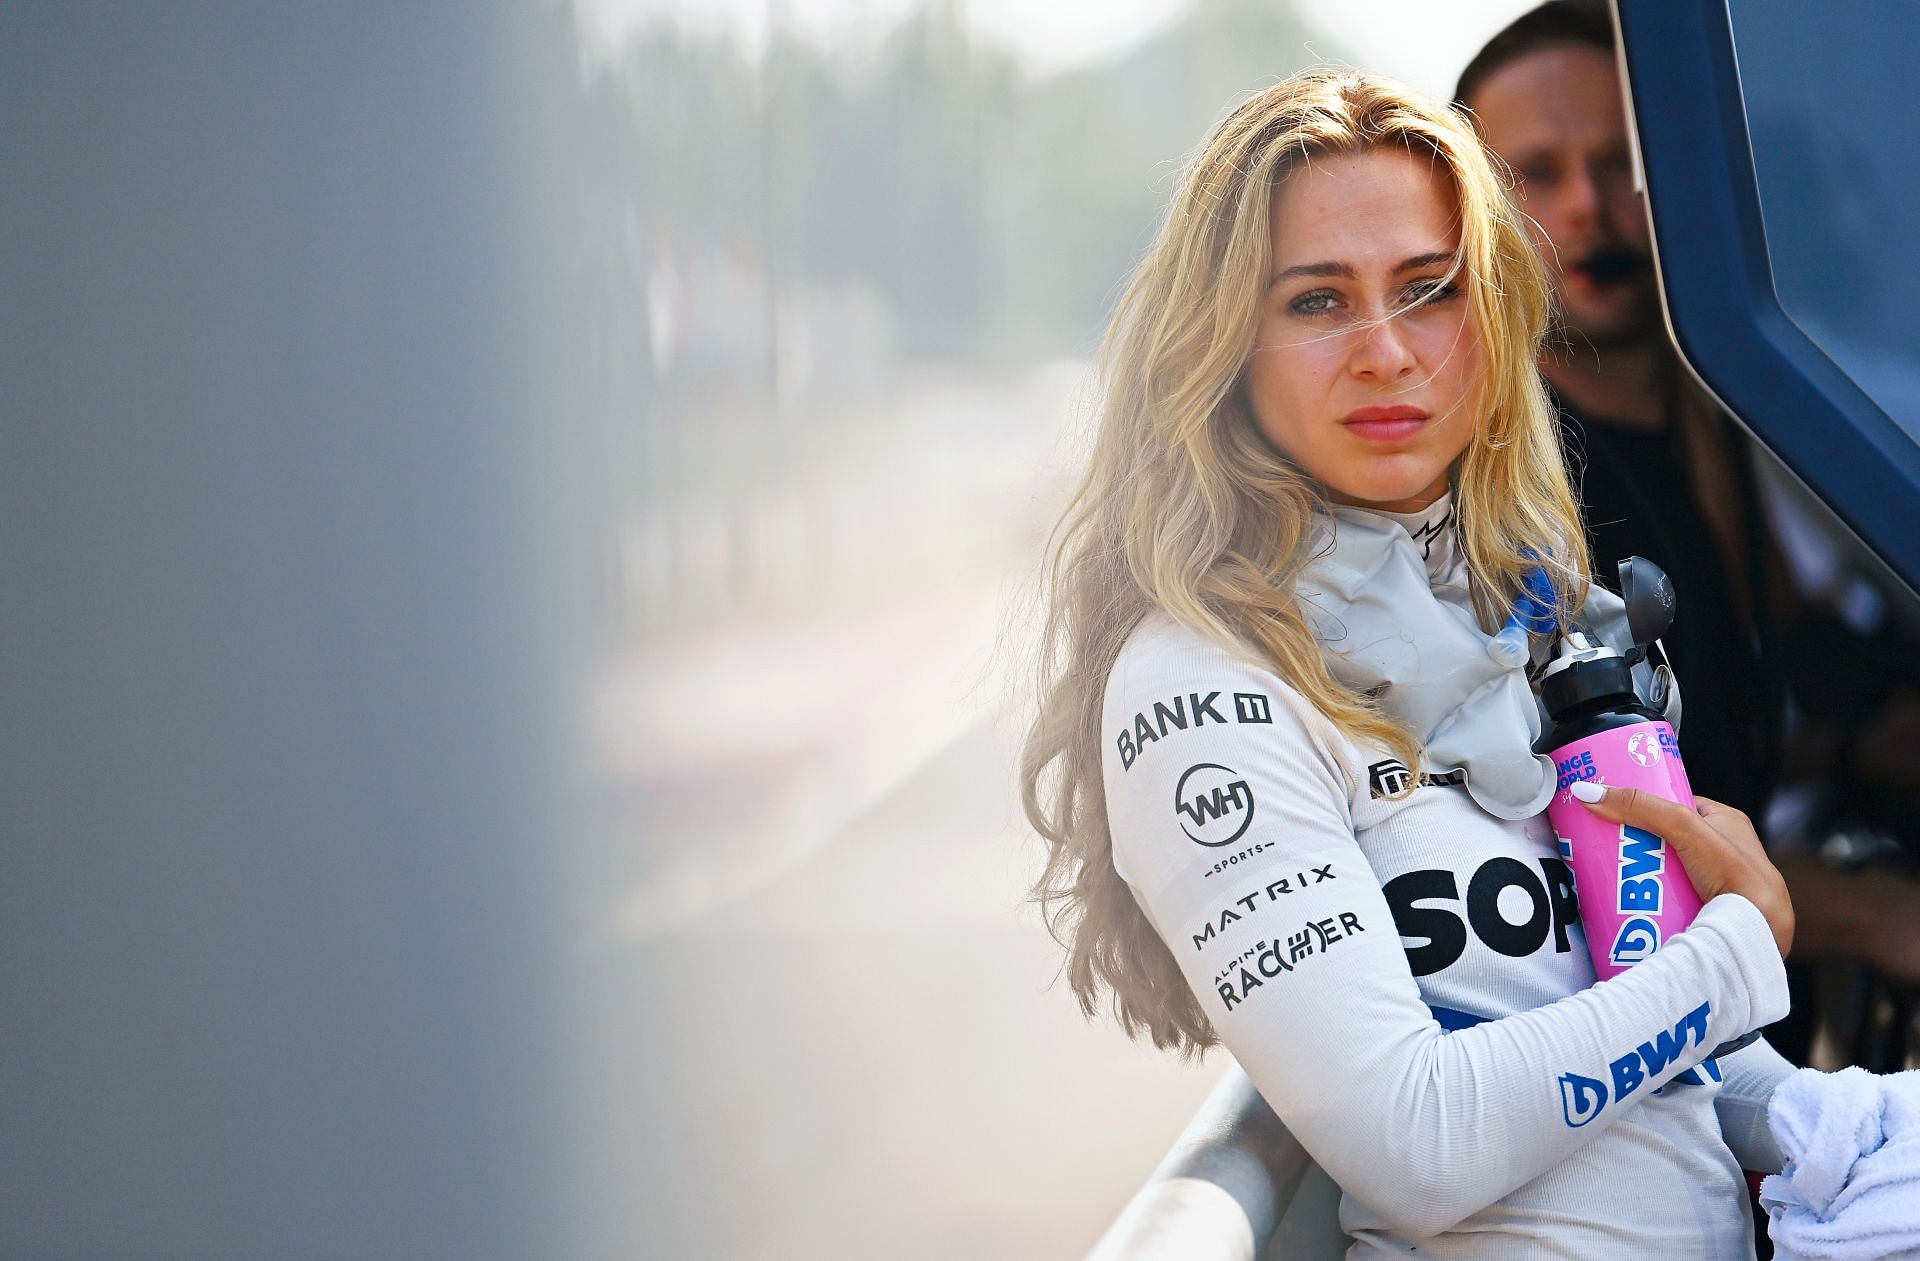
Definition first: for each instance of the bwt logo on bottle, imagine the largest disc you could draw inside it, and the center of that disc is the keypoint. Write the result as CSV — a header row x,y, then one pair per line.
x,y
1214,805
1643,867
1636,942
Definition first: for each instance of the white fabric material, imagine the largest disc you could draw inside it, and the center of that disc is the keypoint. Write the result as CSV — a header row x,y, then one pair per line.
x,y
1432,532
1392,628
1331,932
1751,1075
1850,1189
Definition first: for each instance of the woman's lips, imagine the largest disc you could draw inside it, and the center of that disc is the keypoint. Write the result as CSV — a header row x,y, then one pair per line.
x,y
1385,424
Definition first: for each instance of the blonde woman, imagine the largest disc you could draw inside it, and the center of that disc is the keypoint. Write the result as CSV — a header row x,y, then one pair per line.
x,y
1288,793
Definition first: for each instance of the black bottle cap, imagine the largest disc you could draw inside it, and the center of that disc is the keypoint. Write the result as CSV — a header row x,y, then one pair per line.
x,y
1597,677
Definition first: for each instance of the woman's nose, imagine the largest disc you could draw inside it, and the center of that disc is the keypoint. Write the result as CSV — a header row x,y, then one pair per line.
x,y
1383,352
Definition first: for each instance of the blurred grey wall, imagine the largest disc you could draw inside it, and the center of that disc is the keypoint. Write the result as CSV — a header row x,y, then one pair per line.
x,y
281,646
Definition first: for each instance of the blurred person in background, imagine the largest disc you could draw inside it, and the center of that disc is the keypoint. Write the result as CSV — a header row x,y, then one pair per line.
x,y
1323,436
1787,670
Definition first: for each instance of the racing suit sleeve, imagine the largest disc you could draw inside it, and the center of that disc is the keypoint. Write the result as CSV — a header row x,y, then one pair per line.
x,y
1238,842
1749,1076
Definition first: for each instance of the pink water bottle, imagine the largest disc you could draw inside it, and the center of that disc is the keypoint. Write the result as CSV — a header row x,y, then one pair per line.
x,y
1633,893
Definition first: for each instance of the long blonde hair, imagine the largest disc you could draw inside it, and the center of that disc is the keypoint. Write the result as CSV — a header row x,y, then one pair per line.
x,y
1188,511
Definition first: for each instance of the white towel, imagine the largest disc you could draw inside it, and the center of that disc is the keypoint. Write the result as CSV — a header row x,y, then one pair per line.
x,y
1850,1190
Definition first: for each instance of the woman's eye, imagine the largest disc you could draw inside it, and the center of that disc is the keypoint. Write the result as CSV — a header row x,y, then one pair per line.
x,y
1319,302
1424,291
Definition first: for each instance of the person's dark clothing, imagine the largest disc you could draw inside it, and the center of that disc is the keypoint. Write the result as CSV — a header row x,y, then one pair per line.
x,y
1638,500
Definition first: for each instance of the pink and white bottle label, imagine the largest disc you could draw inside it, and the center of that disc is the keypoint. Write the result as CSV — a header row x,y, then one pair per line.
x,y
1633,893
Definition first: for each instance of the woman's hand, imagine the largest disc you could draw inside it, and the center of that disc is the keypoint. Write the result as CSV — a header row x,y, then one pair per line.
x,y
1716,844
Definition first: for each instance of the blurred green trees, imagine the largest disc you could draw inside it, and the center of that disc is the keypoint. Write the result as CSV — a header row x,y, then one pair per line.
x,y
994,211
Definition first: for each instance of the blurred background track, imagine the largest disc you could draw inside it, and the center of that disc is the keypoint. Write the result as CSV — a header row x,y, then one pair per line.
x,y
869,1054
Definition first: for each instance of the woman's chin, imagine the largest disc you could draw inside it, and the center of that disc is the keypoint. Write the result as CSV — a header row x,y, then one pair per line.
x,y
1390,495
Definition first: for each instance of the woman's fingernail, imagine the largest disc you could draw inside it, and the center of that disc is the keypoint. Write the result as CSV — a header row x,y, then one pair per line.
x,y
1587,790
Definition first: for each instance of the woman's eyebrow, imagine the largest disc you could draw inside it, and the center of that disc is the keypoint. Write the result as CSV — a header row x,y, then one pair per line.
x,y
1347,271
1419,261
1316,269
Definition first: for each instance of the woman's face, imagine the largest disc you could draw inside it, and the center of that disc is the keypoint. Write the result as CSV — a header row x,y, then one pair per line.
x,y
1375,409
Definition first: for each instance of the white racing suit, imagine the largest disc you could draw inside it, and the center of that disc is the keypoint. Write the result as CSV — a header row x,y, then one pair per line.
x,y
1407,983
